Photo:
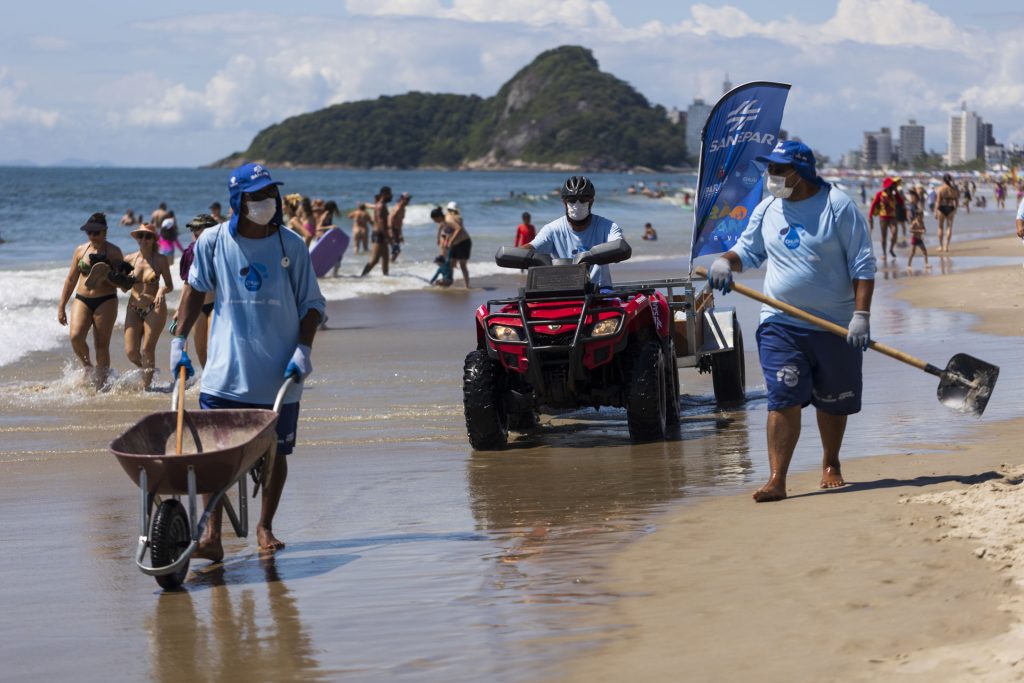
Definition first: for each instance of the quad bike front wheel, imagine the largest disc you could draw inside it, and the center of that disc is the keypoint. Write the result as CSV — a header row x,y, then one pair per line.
x,y
645,401
169,536
728,371
486,416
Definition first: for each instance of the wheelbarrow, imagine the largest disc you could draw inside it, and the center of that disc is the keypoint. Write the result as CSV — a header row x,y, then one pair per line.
x,y
215,450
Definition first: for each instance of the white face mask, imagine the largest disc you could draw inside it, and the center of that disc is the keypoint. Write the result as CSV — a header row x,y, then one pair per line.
x,y
776,185
261,212
577,211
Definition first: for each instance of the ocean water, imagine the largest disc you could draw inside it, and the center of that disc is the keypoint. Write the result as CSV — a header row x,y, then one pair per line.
x,y
42,210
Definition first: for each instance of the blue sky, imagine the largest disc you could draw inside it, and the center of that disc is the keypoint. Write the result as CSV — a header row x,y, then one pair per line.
x,y
185,83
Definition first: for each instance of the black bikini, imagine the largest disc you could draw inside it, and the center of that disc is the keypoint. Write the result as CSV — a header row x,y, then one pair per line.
x,y
94,302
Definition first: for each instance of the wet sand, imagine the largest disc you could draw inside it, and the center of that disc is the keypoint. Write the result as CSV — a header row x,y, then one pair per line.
x,y
409,555
911,572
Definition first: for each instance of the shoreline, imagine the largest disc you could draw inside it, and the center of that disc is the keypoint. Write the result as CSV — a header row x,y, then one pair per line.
x,y
513,165
911,570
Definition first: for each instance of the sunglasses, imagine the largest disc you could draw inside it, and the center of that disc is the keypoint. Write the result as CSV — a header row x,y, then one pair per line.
x,y
268,192
579,198
144,236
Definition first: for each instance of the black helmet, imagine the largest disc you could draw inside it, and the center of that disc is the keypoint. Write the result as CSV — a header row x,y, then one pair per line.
x,y
578,186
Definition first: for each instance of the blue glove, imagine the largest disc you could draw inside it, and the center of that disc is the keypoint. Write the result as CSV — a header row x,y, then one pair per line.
x,y
720,275
859,330
179,358
300,364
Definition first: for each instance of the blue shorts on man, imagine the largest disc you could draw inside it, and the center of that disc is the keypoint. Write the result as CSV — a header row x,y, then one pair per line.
x,y
803,367
287,418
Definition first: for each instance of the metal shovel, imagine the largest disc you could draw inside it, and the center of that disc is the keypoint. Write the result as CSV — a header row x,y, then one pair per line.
x,y
965,385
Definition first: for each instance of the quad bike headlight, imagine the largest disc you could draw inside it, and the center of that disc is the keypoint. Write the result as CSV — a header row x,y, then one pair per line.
x,y
605,327
505,333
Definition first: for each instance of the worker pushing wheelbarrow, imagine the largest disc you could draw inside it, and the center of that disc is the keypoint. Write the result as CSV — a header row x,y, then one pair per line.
x,y
267,309
174,454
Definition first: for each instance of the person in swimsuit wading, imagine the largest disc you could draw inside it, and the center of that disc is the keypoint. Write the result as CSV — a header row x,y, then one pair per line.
x,y
380,236
146,312
202,329
947,197
95,303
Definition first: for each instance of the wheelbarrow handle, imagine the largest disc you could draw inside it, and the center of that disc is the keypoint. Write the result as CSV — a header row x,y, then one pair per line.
x,y
279,401
271,457
827,325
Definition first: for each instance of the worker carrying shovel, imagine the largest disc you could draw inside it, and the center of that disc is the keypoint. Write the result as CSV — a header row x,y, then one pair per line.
x,y
818,250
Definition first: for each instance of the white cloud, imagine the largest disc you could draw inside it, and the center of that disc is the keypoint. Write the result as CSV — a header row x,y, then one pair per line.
x,y
51,43
576,13
902,23
12,112
868,65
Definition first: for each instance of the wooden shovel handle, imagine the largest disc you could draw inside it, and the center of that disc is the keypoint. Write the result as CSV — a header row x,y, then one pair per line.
x,y
181,410
826,325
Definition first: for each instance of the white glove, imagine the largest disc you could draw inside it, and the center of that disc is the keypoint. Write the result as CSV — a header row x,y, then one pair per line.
x,y
720,275
859,330
301,364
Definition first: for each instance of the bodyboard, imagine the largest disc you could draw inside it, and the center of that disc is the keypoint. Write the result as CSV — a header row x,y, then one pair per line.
x,y
328,250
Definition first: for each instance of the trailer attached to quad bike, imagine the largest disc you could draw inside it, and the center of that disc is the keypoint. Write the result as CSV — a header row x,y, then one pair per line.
x,y
563,344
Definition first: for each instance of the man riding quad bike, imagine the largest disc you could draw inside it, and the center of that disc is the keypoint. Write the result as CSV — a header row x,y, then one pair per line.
x,y
571,339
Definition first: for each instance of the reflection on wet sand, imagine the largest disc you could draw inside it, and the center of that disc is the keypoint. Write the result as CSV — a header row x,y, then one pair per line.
x,y
564,479
254,632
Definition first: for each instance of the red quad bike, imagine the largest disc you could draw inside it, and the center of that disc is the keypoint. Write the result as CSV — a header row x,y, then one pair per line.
x,y
562,345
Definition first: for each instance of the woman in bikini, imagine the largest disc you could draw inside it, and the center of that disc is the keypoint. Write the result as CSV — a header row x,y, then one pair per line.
x,y
201,330
360,228
456,244
946,200
95,303
147,308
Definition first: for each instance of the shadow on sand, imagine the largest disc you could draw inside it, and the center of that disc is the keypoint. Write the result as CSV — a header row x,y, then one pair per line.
x,y
917,482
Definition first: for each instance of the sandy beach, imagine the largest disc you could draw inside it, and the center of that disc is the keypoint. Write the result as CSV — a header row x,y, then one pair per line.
x,y
911,572
573,555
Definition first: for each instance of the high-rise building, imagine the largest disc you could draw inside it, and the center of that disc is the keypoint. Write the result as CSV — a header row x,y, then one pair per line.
x,y
696,116
726,84
911,141
985,137
877,149
964,127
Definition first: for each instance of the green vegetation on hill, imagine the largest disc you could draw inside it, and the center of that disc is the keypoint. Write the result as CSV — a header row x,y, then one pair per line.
x,y
560,110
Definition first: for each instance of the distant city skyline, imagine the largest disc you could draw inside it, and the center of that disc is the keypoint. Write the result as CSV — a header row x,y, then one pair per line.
x,y
186,83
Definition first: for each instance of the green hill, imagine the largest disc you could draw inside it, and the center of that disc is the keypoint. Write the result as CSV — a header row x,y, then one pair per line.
x,y
560,111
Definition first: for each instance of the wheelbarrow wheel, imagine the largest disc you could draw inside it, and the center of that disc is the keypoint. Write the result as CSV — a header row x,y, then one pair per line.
x,y
168,539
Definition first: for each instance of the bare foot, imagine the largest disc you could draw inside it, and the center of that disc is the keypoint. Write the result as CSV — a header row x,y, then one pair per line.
x,y
769,492
267,540
831,478
209,549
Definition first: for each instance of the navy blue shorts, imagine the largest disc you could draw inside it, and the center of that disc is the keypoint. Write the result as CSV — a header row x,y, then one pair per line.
x,y
803,366
287,421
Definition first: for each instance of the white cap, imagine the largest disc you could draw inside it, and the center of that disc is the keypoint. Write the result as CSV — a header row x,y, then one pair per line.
x,y
452,206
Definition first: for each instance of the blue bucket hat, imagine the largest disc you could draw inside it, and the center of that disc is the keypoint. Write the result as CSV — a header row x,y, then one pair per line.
x,y
245,179
796,154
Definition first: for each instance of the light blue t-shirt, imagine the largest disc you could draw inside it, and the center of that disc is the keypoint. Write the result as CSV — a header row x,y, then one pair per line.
x,y
815,248
561,241
1020,211
255,324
